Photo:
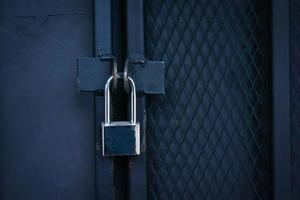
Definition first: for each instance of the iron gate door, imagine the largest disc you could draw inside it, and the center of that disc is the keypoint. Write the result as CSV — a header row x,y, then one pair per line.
x,y
218,117
209,137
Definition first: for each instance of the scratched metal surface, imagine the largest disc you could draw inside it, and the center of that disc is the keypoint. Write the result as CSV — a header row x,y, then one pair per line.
x,y
47,147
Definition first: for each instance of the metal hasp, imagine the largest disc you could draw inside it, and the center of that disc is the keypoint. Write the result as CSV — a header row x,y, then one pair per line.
x,y
92,74
120,138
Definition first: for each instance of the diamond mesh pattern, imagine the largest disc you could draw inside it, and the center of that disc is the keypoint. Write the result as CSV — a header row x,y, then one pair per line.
x,y
209,137
295,96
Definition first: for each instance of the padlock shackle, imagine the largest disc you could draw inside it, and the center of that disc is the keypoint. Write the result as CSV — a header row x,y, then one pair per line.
x,y
107,100
133,101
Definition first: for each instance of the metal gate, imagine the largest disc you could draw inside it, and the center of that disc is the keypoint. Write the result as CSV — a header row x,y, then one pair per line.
x,y
226,126
210,135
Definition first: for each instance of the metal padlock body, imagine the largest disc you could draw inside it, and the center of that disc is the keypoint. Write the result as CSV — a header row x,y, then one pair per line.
x,y
120,138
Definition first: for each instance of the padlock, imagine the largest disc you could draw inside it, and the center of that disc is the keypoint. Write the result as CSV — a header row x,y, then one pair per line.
x,y
120,138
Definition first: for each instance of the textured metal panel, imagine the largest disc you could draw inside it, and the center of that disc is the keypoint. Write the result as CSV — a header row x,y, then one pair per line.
x,y
295,96
209,137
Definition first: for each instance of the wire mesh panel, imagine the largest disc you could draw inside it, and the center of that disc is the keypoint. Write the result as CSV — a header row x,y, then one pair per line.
x,y
295,97
209,137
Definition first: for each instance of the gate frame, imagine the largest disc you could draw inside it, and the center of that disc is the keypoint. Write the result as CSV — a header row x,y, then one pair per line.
x,y
281,99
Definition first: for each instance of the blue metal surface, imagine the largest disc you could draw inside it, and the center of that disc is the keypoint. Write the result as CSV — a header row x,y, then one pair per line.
x,y
295,97
281,100
47,137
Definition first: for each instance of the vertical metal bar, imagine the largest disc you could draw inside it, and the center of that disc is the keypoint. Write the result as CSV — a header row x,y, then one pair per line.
x,y
103,45
135,29
137,184
103,42
118,103
281,100
135,50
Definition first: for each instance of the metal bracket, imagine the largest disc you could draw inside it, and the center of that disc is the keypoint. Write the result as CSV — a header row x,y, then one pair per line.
x,y
114,67
92,74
